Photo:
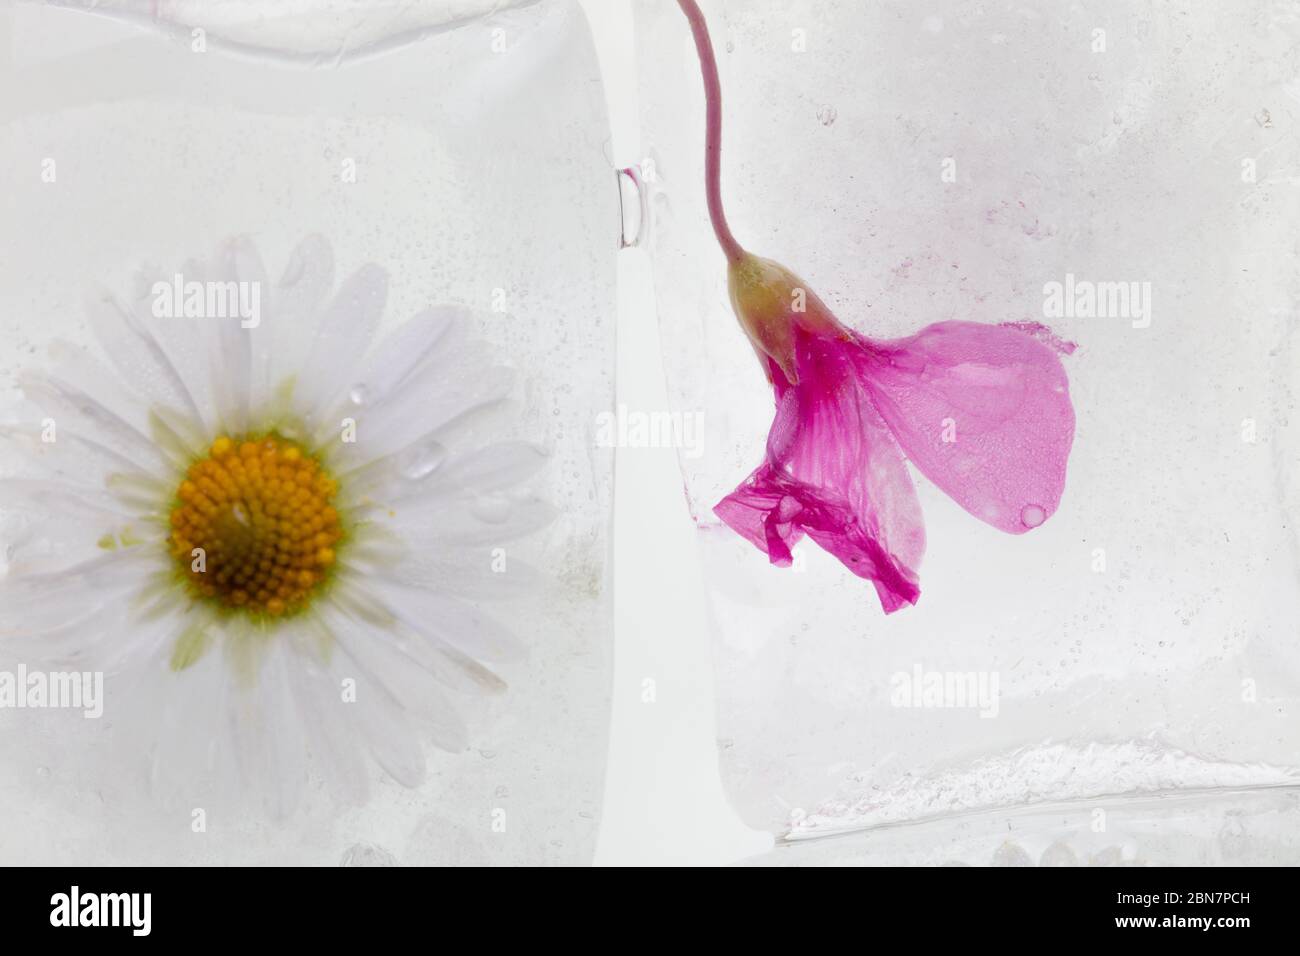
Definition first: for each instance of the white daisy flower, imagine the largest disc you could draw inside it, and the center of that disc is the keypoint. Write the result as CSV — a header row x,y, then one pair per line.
x,y
276,534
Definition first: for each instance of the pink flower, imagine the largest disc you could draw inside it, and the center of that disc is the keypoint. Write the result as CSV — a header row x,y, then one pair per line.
x,y
983,411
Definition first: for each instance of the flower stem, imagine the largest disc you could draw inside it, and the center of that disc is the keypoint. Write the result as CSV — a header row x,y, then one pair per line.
x,y
712,130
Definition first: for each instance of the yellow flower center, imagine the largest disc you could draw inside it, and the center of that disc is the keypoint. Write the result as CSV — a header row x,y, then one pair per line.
x,y
254,526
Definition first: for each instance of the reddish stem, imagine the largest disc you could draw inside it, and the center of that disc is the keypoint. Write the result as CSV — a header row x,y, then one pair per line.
x,y
712,129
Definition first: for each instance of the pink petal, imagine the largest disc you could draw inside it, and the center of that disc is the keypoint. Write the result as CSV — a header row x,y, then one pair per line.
x,y
833,471
983,411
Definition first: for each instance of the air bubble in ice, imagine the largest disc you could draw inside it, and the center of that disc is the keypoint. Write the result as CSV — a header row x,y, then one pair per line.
x,y
1058,854
1031,516
367,854
1011,854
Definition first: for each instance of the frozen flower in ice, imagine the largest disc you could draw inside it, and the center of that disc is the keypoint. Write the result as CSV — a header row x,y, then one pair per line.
x,y
983,411
261,523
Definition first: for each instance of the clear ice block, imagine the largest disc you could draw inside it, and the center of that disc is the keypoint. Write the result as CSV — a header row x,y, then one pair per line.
x,y
459,146
917,164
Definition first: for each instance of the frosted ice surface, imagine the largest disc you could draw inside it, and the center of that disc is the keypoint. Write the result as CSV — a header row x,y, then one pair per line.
x,y
475,175
1056,772
955,162
1254,827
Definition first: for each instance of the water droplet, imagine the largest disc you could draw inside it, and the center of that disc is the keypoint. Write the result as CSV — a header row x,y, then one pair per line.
x,y
292,432
422,460
1031,516
827,115
359,394
239,514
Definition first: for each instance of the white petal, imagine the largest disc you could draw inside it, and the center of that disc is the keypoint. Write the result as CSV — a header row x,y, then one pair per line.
x,y
343,335
393,689
75,409
186,716
138,355
240,262
268,736
488,520
73,458
473,572
405,350
60,629
52,497
449,621
43,599
184,341
230,349
382,725
295,308
445,379
331,739
151,634
494,467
